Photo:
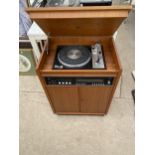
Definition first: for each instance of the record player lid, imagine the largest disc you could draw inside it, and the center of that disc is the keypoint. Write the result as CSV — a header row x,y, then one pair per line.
x,y
80,21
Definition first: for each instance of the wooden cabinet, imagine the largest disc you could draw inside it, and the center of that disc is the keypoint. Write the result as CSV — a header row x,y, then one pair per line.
x,y
80,26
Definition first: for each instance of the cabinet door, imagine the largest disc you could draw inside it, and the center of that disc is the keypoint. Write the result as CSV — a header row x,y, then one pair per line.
x,y
94,99
64,99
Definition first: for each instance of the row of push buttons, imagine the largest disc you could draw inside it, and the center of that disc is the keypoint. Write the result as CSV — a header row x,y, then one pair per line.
x,y
97,84
102,84
64,83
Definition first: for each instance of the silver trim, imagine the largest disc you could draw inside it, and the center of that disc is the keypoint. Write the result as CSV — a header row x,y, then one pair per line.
x,y
97,56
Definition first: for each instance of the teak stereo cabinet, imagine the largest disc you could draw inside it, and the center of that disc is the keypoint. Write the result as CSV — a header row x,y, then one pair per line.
x,y
79,26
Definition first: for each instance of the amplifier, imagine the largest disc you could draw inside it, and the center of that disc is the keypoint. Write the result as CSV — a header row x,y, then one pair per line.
x,y
93,81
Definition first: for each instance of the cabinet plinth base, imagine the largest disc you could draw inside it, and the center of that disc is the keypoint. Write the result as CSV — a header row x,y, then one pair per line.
x,y
78,113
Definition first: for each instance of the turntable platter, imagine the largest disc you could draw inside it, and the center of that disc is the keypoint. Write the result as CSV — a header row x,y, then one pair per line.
x,y
74,56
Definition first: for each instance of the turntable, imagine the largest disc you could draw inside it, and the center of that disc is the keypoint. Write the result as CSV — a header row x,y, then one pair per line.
x,y
79,57
79,67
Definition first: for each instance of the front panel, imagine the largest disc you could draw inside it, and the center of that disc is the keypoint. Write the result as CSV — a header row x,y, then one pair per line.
x,y
80,81
79,94
94,99
65,99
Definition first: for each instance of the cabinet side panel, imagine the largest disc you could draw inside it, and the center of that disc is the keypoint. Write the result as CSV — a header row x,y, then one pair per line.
x,y
119,68
45,89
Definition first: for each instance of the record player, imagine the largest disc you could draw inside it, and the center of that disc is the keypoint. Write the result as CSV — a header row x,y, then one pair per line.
x,y
79,67
79,57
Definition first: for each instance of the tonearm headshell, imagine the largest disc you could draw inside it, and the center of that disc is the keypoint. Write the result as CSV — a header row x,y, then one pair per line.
x,y
97,56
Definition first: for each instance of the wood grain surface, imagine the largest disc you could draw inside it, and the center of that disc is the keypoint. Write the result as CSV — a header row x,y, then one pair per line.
x,y
80,26
80,21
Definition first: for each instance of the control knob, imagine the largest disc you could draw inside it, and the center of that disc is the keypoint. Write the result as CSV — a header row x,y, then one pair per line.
x,y
109,82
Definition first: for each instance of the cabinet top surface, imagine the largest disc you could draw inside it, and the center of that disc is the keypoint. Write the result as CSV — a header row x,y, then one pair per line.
x,y
80,21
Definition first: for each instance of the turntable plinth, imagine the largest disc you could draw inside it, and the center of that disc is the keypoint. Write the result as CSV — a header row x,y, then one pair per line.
x,y
92,92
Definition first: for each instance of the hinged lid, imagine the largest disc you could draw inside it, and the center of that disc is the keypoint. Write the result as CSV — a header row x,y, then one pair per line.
x,y
80,21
